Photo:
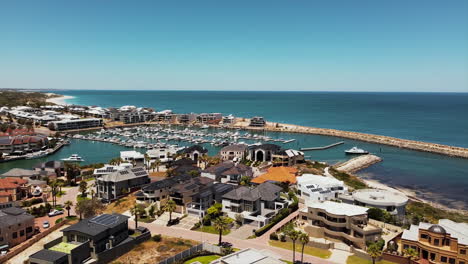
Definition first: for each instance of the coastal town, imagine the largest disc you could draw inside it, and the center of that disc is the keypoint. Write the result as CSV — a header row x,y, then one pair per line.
x,y
199,188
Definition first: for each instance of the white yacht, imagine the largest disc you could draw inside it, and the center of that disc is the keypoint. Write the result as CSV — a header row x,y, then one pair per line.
x,y
356,150
74,157
205,126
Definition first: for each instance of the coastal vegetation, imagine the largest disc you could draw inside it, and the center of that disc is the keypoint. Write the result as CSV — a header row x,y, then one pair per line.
x,y
423,212
349,179
12,98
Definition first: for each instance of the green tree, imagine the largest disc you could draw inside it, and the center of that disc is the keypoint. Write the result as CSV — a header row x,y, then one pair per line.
x,y
221,224
137,212
245,180
304,239
411,253
89,208
293,235
147,160
54,188
215,210
194,173
170,207
83,187
374,252
68,204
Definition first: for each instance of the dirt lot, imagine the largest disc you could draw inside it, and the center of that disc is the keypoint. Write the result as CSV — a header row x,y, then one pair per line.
x,y
121,205
153,252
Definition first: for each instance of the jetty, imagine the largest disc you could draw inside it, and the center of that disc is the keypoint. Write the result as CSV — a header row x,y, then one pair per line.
x,y
358,163
324,147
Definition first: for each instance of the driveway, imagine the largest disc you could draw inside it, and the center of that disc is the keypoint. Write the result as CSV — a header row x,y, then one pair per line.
x,y
242,232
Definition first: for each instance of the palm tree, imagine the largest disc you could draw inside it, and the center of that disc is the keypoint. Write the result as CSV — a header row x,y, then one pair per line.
x,y
221,224
83,187
304,239
68,204
293,235
374,252
54,190
170,207
135,211
157,163
147,160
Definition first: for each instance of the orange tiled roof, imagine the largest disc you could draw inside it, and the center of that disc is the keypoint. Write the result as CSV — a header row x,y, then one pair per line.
x,y
278,174
11,183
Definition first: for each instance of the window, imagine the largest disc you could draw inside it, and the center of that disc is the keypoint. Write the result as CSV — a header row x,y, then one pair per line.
x,y
424,236
463,251
304,217
29,229
21,233
443,259
436,242
15,235
451,260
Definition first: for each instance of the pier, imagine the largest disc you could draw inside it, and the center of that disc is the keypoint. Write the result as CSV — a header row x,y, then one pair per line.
x,y
324,147
356,164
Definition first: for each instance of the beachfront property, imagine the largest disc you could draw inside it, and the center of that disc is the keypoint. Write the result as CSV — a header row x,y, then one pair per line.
x,y
96,240
117,184
257,205
16,226
250,256
288,157
165,116
339,221
186,118
257,121
285,175
108,169
312,188
392,202
209,118
75,124
21,144
228,120
236,152
131,114
228,172
13,189
445,242
132,156
51,167
193,152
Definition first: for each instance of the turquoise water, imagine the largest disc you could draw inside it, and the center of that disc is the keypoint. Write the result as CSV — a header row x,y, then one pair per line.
x,y
436,177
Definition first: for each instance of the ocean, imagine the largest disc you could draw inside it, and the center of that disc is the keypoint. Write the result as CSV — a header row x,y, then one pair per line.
x,y
438,118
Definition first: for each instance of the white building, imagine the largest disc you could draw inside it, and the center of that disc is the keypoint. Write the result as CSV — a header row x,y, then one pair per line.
x,y
319,188
164,153
108,169
131,155
250,256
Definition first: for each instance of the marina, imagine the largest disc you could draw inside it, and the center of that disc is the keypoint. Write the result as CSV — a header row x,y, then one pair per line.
x,y
324,147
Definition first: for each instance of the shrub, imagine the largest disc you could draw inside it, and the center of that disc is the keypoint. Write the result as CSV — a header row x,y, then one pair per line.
x,y
274,236
282,237
58,220
157,238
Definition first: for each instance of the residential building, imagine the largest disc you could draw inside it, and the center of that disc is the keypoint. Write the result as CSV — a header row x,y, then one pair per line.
x,y
75,124
339,221
250,256
16,226
209,118
163,153
21,144
96,240
445,242
277,174
165,116
288,157
390,201
187,118
263,153
193,152
228,120
312,188
131,114
228,171
117,184
257,121
13,189
206,197
108,169
256,205
132,156
236,152
21,174
53,166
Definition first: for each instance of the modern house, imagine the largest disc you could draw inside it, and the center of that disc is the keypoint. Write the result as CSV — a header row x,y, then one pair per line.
x,y
206,197
96,240
257,121
16,226
209,118
108,169
236,152
163,153
193,152
53,166
257,206
445,242
392,202
250,256
228,120
132,156
277,174
339,221
312,188
75,124
288,157
131,114
263,152
112,186
228,171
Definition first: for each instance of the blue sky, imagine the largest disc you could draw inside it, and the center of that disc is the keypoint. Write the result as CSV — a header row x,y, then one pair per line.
x,y
417,45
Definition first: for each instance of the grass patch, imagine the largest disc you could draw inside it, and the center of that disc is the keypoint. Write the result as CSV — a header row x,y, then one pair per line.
x,y
357,260
211,230
81,198
286,261
348,179
146,220
203,259
317,252
61,193
425,212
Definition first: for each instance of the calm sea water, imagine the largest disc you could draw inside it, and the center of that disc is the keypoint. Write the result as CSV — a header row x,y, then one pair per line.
x,y
429,117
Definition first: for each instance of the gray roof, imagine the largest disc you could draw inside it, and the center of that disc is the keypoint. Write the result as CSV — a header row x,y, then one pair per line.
x,y
16,172
235,147
13,215
126,174
98,224
265,191
49,255
268,191
270,147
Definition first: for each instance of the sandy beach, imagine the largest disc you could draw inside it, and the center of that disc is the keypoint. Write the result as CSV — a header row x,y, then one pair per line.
x,y
59,100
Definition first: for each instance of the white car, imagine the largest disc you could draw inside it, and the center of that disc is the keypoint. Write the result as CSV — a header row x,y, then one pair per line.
x,y
45,224
55,212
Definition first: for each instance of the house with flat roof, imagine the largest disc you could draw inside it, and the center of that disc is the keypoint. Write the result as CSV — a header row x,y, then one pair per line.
x,y
312,187
16,226
72,124
250,256
257,205
117,184
257,121
95,240
445,242
132,156
108,169
345,222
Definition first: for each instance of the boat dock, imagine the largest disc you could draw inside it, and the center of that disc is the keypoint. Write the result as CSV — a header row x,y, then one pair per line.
x,y
324,147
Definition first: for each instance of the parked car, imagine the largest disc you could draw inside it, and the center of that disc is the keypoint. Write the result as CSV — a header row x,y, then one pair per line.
x,y
55,212
46,224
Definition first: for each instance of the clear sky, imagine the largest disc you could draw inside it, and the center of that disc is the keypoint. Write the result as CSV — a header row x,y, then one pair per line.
x,y
397,45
